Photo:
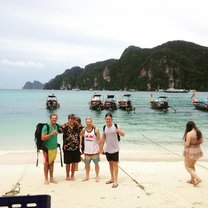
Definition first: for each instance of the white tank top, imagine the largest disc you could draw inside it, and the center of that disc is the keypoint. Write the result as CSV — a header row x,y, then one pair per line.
x,y
90,142
112,144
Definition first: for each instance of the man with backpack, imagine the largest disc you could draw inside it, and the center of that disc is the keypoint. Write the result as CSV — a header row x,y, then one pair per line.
x,y
110,137
49,137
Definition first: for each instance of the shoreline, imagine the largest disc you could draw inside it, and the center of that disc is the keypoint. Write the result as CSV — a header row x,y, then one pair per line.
x,y
146,179
11,157
141,184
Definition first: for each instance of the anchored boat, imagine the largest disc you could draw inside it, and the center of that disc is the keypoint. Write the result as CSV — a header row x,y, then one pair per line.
x,y
96,102
173,90
110,103
199,104
52,102
125,103
161,103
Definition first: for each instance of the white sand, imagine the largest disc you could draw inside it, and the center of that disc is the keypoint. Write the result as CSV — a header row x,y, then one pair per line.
x,y
163,176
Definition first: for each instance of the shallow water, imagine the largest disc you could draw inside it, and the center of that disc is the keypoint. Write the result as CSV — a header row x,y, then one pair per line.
x,y
21,110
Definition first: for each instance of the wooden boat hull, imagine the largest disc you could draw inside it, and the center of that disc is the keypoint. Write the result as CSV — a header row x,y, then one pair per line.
x,y
159,106
49,107
96,105
110,105
201,106
125,105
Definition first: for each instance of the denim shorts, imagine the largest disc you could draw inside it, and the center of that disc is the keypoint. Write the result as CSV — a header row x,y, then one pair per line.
x,y
89,158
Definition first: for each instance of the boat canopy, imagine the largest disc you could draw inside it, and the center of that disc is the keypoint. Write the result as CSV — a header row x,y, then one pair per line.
x,y
97,95
127,95
110,96
51,96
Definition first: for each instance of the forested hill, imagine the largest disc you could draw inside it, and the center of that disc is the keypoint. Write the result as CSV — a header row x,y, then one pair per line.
x,y
177,64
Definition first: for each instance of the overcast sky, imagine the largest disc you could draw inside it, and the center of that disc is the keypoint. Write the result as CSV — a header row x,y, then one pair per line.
x,y
40,39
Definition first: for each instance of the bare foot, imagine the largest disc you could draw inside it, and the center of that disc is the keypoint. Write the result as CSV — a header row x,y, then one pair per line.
x,y
97,179
68,178
109,182
198,180
115,185
190,181
72,179
85,179
53,180
46,182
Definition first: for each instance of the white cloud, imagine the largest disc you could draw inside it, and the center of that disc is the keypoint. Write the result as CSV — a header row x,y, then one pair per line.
x,y
21,64
53,35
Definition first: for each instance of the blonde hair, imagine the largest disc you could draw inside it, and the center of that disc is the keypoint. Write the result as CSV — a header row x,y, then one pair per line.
x,y
88,118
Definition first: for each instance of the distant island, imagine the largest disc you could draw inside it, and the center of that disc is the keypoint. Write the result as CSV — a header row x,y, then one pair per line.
x,y
33,85
175,64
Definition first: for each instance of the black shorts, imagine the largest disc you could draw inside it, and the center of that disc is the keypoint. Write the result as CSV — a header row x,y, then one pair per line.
x,y
112,156
72,156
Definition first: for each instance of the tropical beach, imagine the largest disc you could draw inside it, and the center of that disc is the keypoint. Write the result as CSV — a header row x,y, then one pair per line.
x,y
146,179
144,62
151,173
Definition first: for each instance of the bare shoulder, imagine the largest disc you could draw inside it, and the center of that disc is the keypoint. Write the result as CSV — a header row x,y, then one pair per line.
x,y
97,130
82,130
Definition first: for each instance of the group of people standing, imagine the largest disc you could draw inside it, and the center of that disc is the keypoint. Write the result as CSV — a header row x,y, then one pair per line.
x,y
78,139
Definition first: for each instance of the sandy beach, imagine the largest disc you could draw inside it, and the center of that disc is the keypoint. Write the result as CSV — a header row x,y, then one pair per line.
x,y
145,180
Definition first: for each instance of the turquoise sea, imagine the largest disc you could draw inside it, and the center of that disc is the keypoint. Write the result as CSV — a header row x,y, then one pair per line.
x,y
21,110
